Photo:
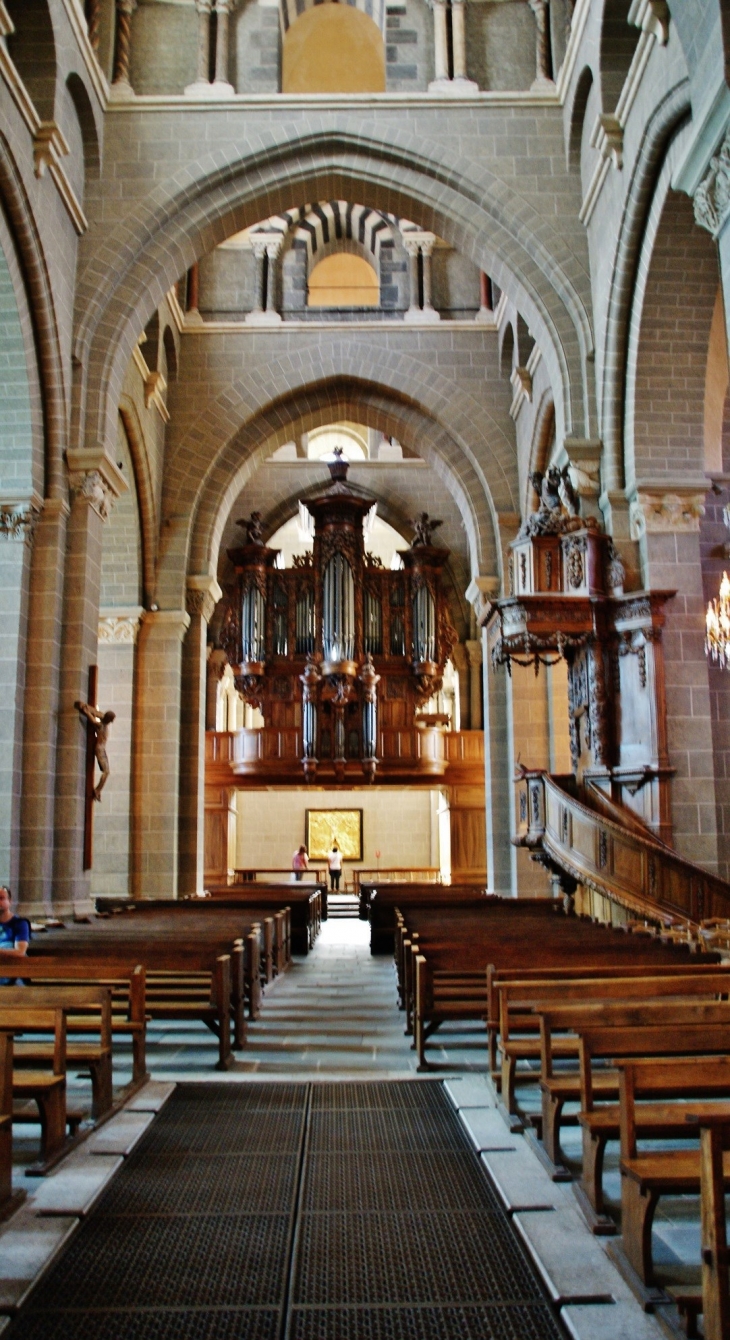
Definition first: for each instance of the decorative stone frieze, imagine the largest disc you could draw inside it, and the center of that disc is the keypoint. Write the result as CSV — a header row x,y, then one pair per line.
x,y
94,477
712,197
202,596
480,593
118,626
656,512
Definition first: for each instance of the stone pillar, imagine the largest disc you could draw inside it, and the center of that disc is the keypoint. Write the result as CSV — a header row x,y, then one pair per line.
x,y
110,874
156,754
498,786
201,86
221,86
17,519
666,523
40,723
95,481
193,296
458,44
420,243
203,593
440,46
461,665
474,652
121,87
543,77
266,247
217,662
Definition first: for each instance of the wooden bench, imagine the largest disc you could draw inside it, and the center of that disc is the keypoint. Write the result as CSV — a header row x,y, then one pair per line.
x,y
46,1086
685,1034
303,900
186,979
91,1007
128,988
714,1302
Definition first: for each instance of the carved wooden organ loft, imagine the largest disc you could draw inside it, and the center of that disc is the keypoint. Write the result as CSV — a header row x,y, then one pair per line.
x,y
566,599
338,652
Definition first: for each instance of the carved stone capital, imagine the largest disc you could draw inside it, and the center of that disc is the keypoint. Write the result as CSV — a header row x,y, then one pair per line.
x,y
416,240
217,662
608,138
655,511
94,477
266,244
49,147
18,519
584,457
652,16
474,652
712,197
481,592
202,596
118,626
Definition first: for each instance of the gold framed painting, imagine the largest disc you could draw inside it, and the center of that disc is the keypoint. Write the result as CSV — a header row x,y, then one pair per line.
x,y
324,827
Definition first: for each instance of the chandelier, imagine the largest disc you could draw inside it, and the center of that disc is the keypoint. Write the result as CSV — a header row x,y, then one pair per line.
x,y
717,639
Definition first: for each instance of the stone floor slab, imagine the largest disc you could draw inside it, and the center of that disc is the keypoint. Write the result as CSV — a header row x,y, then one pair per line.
x,y
470,1091
150,1098
521,1182
120,1135
619,1321
76,1186
570,1260
27,1246
486,1129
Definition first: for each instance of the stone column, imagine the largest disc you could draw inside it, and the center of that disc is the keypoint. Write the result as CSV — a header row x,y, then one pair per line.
x,y
414,303
266,246
202,595
201,86
95,481
221,87
110,875
40,718
461,665
498,786
440,47
543,78
17,520
474,652
156,754
458,44
420,243
666,523
121,87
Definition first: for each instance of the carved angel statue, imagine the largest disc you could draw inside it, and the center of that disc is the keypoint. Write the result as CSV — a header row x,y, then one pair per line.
x,y
559,504
99,723
254,528
424,527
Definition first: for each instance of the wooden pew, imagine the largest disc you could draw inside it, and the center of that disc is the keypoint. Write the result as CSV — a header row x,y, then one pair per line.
x,y
384,899
128,987
714,1172
303,900
92,1007
46,1087
186,978
9,1200
684,1033
243,917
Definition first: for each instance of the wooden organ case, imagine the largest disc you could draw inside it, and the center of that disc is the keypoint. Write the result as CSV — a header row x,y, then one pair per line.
x,y
338,652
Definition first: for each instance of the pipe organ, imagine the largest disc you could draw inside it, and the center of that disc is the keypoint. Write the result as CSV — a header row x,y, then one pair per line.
x,y
337,652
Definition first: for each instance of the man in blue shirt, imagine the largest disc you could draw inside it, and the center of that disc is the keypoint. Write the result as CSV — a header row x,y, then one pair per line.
x,y
14,931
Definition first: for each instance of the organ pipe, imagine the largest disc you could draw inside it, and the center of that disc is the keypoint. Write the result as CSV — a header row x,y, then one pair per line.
x,y
338,611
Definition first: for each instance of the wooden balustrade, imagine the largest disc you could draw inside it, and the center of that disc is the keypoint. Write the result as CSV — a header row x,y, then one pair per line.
x,y
585,846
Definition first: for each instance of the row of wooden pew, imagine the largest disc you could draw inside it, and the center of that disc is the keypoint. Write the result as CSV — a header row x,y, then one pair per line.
x,y
84,986
622,1034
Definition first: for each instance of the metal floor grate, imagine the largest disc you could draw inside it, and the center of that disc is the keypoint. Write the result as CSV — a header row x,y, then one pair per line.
x,y
296,1212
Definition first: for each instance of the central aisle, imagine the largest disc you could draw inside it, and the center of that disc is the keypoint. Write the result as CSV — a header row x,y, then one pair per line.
x,y
296,1212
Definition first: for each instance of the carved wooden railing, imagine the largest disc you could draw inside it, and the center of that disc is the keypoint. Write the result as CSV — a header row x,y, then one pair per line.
x,y
425,874
585,843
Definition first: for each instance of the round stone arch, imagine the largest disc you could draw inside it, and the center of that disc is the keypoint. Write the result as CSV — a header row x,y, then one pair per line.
x,y
312,408
486,220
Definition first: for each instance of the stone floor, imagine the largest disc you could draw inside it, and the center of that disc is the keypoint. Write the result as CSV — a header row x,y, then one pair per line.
x,y
334,1016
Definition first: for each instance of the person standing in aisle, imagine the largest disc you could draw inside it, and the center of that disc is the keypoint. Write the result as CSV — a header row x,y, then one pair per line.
x,y
300,862
334,860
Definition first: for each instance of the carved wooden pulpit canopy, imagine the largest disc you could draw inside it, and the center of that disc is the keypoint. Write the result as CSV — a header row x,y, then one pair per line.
x,y
337,647
566,599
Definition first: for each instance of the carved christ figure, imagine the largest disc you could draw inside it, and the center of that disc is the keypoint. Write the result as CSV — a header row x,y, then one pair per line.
x,y
99,723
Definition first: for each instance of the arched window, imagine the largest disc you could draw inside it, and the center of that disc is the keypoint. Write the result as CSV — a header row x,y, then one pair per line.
x,y
333,49
343,280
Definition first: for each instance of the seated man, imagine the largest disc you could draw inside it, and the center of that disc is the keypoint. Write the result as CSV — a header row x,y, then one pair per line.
x,y
14,931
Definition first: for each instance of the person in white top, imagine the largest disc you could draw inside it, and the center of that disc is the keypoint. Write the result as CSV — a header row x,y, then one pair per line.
x,y
334,860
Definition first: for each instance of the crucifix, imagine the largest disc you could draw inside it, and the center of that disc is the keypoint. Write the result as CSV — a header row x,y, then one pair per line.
x,y
97,734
